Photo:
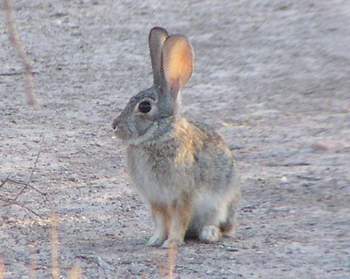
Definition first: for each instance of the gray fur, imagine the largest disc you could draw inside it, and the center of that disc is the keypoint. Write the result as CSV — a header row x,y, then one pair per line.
x,y
156,39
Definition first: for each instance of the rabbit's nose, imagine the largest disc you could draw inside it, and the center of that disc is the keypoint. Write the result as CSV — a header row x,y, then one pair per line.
x,y
115,123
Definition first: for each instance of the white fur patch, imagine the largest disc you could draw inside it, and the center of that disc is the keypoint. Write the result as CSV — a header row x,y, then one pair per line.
x,y
146,137
210,234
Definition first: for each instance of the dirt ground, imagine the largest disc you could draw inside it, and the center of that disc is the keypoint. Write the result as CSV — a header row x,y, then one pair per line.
x,y
272,76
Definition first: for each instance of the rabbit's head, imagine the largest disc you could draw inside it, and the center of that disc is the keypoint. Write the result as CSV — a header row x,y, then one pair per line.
x,y
149,114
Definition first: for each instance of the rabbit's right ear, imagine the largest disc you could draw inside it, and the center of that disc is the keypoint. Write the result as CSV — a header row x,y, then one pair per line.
x,y
156,39
177,63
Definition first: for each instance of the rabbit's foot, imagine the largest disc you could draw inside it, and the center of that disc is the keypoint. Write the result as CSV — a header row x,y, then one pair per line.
x,y
172,243
155,240
210,234
228,230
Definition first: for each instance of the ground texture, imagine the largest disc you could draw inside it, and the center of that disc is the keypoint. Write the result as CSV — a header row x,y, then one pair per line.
x,y
272,76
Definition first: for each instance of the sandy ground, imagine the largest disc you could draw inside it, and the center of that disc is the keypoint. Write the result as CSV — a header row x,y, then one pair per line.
x,y
272,76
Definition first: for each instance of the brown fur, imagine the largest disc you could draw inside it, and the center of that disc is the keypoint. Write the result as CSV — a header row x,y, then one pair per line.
x,y
191,140
176,217
181,213
162,211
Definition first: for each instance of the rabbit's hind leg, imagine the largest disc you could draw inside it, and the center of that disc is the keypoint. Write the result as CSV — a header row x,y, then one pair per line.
x,y
210,218
228,227
210,233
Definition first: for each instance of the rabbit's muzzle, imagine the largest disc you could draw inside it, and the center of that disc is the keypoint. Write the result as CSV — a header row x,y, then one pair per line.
x,y
115,124
120,130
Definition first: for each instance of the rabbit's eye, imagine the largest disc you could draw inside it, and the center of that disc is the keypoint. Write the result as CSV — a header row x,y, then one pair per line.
x,y
145,106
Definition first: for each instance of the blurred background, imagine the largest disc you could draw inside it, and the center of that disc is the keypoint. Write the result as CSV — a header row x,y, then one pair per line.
x,y
271,76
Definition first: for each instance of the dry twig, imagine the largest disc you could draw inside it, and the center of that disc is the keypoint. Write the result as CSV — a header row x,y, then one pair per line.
x,y
27,184
14,201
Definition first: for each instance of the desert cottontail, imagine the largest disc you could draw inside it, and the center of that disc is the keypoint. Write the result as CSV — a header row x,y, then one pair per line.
x,y
184,171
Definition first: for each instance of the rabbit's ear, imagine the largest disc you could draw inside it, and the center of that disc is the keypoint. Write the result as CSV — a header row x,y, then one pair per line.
x,y
177,63
156,39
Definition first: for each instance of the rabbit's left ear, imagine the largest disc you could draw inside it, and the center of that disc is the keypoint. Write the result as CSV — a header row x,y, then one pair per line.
x,y
156,39
177,63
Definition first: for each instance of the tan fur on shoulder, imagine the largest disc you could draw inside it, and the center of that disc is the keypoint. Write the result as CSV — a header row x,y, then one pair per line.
x,y
191,141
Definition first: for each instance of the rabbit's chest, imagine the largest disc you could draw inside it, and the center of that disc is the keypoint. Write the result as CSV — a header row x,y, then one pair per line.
x,y
156,174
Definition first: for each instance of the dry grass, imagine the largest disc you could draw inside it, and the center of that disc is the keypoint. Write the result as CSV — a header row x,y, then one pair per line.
x,y
55,247
2,269
172,255
33,261
75,272
166,269
21,52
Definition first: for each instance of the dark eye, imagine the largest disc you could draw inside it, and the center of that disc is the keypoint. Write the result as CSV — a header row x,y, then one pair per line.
x,y
145,106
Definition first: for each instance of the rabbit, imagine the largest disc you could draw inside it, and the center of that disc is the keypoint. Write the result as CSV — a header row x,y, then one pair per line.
x,y
183,170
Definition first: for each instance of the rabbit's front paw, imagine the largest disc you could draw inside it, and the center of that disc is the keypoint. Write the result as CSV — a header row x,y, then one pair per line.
x,y
155,240
172,243
210,234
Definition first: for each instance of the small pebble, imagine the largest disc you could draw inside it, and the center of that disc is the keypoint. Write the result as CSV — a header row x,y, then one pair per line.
x,y
284,179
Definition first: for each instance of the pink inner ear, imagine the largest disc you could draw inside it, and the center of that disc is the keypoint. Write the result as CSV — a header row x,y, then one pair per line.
x,y
177,58
175,85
